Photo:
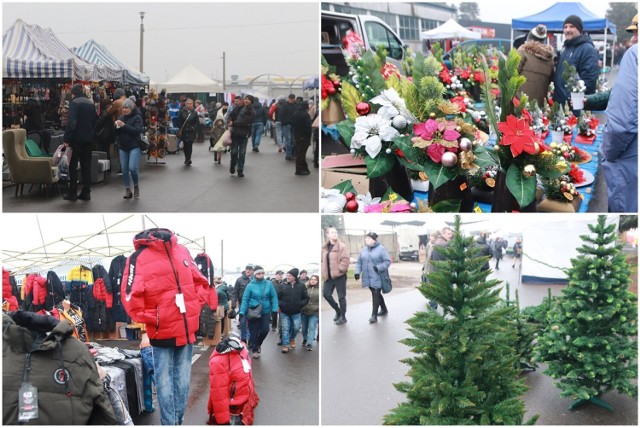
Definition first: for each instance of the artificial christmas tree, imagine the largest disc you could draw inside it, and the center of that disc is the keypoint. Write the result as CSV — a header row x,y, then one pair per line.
x,y
465,369
590,341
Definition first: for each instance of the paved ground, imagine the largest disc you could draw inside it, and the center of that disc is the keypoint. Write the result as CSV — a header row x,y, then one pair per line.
x,y
371,354
269,185
288,386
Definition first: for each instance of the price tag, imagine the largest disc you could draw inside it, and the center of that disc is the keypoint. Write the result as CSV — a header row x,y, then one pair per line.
x,y
463,186
27,403
180,303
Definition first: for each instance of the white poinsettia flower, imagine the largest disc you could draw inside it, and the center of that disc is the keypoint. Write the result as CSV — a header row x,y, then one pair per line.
x,y
366,200
392,105
371,131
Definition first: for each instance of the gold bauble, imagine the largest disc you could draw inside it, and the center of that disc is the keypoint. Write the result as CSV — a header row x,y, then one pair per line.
x,y
432,115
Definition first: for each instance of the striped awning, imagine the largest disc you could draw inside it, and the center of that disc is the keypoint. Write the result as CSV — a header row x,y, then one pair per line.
x,y
32,52
96,53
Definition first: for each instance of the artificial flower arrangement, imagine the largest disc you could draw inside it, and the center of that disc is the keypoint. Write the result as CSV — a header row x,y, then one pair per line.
x,y
575,86
521,156
468,70
344,198
394,119
560,194
560,122
570,153
576,175
539,121
330,88
587,125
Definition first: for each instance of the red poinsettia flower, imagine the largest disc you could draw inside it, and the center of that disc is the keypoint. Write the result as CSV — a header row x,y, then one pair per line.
x,y
478,76
389,70
517,134
593,124
576,174
328,88
527,115
445,75
572,121
459,101
465,74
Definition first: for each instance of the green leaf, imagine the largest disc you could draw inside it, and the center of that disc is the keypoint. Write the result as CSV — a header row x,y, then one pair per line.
x,y
447,206
372,70
438,174
378,166
485,157
388,193
346,128
345,187
522,188
350,97
325,103
406,146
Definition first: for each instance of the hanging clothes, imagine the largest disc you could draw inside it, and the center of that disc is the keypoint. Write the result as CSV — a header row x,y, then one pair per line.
x,y
203,261
79,278
55,290
117,313
7,292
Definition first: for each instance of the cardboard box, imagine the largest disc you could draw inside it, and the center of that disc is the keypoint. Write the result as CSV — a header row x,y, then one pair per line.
x,y
340,168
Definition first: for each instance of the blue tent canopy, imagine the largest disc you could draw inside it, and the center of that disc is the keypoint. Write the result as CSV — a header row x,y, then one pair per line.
x,y
33,52
311,83
553,17
95,53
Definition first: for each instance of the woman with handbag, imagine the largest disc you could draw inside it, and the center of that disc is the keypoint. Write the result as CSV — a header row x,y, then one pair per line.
x,y
258,302
373,265
128,130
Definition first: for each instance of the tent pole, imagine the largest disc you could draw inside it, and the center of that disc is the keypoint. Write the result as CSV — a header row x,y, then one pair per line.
x,y
512,37
604,59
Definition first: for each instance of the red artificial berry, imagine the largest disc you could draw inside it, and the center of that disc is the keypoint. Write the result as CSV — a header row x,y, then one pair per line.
x,y
363,108
352,206
350,196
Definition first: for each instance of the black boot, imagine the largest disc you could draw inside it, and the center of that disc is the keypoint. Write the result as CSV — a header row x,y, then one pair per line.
x,y
337,317
71,195
85,195
341,320
382,312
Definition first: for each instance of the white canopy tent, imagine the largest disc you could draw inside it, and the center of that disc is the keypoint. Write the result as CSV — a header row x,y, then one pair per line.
x,y
449,30
190,79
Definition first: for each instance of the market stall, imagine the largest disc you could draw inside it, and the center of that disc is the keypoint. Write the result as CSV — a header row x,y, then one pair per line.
x,y
95,53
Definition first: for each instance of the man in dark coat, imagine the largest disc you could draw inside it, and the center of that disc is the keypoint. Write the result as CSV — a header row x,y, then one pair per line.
x,y
292,297
240,120
79,134
188,123
485,249
580,52
301,126
236,298
286,114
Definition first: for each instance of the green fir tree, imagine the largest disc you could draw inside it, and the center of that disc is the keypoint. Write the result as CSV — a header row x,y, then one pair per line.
x,y
464,371
590,341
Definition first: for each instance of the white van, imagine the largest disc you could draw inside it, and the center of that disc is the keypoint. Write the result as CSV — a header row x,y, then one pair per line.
x,y
373,31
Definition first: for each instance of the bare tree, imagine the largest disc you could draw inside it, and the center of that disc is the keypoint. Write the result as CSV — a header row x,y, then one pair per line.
x,y
469,10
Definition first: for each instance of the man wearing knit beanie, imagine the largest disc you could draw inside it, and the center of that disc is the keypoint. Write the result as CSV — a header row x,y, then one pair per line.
x,y
79,134
579,52
292,297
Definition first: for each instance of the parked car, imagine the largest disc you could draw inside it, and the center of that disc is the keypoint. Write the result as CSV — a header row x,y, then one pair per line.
x,y
502,45
373,31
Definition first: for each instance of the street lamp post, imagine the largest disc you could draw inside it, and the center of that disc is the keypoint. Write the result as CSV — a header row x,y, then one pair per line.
x,y
141,40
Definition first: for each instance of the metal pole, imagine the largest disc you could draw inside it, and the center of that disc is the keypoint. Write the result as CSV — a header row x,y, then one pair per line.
x,y
224,72
141,41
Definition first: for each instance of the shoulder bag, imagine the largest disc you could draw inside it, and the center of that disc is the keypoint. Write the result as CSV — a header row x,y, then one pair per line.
x,y
256,312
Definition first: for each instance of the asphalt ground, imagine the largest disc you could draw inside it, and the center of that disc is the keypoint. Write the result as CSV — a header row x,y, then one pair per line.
x,y
362,361
269,185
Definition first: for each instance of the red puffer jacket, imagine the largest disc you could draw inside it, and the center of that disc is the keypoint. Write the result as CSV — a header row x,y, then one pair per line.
x,y
100,293
38,284
6,291
231,385
149,288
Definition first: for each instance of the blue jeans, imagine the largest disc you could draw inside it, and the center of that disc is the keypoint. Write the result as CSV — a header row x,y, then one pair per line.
x,y
172,372
129,164
290,326
257,129
278,127
238,151
244,330
286,141
309,326
258,331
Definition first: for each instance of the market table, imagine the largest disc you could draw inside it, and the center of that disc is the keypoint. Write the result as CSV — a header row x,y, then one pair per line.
x,y
591,166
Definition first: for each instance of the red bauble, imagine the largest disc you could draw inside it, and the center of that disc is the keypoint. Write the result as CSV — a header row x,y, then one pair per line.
x,y
363,108
350,196
352,206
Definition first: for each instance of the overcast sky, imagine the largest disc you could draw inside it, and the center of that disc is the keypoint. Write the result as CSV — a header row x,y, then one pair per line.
x,y
258,38
503,11
271,240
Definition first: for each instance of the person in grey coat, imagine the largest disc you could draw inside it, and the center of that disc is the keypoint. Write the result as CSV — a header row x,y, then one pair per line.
x,y
373,265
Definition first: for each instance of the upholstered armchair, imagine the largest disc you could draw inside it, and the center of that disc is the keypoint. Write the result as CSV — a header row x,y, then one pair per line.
x,y
24,169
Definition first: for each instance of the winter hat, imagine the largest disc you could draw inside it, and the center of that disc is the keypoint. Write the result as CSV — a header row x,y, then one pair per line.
x,y
538,34
294,272
574,20
118,93
77,90
248,267
129,104
258,269
133,98
634,24
373,235
279,272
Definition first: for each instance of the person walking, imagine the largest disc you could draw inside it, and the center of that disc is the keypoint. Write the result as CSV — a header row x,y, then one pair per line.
x,y
257,127
580,52
484,249
236,299
373,264
163,288
274,315
276,113
517,252
497,252
258,292
334,265
216,133
301,126
286,115
619,150
201,111
240,121
187,126
80,134
292,297
310,313
128,130
536,65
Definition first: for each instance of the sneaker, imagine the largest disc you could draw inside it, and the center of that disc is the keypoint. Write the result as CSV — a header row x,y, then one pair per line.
x,y
285,349
240,174
255,149
189,162
292,343
309,348
304,343
232,169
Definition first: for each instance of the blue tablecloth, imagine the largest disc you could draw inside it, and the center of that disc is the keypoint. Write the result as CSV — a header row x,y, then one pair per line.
x,y
591,166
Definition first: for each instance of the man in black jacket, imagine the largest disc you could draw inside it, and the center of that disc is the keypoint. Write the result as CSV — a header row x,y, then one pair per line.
x,y
292,297
301,126
240,120
79,134
188,123
286,114
236,298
